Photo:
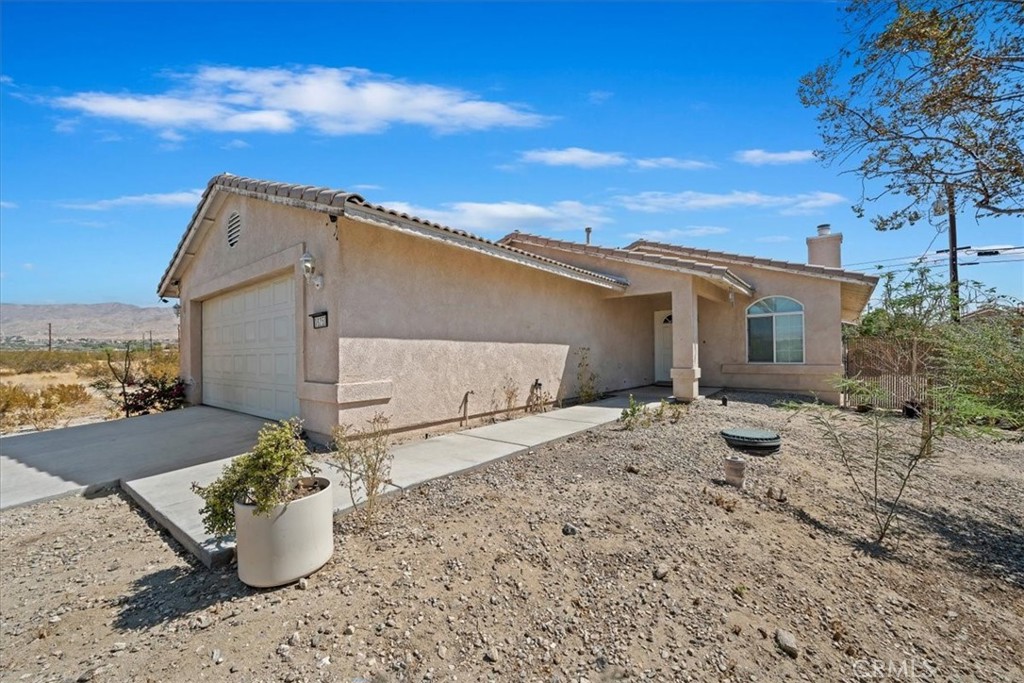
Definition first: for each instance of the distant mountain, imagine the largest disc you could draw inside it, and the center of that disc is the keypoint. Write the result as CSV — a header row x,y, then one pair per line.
x,y
115,322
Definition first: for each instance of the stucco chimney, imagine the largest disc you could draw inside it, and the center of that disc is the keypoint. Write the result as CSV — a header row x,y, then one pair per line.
x,y
826,248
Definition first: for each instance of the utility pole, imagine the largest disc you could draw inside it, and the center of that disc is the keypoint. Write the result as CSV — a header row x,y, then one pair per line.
x,y
954,255
49,336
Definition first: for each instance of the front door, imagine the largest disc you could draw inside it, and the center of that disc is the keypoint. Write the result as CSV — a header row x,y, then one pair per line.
x,y
663,346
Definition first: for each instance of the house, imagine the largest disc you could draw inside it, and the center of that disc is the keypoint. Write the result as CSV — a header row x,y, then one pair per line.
x,y
299,300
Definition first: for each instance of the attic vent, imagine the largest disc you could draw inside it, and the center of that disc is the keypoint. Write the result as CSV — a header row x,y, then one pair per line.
x,y
234,229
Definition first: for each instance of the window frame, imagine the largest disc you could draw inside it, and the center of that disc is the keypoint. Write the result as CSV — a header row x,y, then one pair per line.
x,y
774,341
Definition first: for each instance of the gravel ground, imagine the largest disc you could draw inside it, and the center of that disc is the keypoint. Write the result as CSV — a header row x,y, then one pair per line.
x,y
613,555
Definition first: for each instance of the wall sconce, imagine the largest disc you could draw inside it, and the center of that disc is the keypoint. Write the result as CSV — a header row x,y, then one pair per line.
x,y
308,264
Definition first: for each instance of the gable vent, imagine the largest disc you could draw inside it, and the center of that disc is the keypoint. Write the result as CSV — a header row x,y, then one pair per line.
x,y
234,229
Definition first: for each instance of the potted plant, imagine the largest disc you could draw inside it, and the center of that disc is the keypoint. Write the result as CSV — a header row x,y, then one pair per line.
x,y
280,512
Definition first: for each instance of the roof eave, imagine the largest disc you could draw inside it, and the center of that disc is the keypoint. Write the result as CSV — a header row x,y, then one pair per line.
x,y
505,252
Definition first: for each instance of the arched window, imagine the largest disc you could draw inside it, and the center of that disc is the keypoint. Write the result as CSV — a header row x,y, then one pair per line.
x,y
775,331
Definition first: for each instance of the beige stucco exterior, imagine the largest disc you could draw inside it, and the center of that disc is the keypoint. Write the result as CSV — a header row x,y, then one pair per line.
x,y
422,319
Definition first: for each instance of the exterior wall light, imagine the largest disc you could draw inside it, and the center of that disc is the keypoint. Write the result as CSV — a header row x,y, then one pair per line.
x,y
308,264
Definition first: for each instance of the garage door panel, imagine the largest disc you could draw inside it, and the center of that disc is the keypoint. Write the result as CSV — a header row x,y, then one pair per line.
x,y
249,352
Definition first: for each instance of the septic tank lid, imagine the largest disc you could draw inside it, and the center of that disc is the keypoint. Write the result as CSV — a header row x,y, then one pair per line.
x,y
752,439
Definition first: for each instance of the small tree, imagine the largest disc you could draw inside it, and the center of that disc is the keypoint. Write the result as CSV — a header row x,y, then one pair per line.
x,y
959,390
925,102
365,460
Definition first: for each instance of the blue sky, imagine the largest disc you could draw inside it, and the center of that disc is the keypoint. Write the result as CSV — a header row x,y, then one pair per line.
x,y
671,121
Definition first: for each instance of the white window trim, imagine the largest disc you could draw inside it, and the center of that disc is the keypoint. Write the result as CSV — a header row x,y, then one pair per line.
x,y
803,332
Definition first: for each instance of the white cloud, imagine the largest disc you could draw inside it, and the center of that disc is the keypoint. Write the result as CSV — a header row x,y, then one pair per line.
x,y
171,136
8,205
573,156
599,96
588,158
332,101
661,202
678,233
759,157
28,266
367,186
186,198
6,80
672,162
507,216
65,126
773,239
236,144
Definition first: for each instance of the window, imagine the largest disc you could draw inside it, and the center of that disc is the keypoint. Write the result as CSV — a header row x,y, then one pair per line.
x,y
775,331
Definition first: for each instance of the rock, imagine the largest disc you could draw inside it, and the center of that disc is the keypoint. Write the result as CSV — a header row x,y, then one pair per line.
x,y
349,630
569,530
117,647
786,642
86,675
491,656
303,584
294,639
442,651
632,469
216,657
661,572
202,621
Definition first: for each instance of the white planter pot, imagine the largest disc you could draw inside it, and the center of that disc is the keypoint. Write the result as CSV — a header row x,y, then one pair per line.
x,y
292,542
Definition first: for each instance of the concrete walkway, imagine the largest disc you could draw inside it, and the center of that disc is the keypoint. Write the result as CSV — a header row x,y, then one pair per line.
x,y
44,465
169,499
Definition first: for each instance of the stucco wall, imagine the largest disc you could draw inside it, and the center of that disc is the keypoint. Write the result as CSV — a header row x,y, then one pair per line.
x,y
723,334
423,322
414,324
272,239
722,331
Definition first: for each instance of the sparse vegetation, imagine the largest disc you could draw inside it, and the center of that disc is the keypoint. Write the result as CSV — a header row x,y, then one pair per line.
x,y
586,378
538,399
139,383
636,414
265,477
365,460
510,394
43,409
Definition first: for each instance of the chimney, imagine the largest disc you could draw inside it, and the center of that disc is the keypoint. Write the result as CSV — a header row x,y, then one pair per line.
x,y
826,248
588,230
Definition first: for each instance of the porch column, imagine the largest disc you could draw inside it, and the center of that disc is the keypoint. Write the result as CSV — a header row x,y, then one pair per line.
x,y
685,361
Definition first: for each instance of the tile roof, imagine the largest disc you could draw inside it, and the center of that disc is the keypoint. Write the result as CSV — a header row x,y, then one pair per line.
x,y
672,262
335,202
647,247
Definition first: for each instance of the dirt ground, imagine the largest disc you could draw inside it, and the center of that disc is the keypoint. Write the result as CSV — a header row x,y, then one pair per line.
x,y
613,555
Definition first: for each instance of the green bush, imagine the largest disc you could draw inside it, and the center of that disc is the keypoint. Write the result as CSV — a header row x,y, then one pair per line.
x,y
265,477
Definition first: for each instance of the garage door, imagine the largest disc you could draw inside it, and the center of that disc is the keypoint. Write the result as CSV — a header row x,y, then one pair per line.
x,y
249,350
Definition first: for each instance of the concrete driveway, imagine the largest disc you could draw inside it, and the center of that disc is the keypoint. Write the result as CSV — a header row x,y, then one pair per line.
x,y
44,465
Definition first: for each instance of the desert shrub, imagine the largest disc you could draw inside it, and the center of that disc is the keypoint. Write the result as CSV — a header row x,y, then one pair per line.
x,y
24,361
636,414
510,393
264,477
42,409
140,383
586,379
365,460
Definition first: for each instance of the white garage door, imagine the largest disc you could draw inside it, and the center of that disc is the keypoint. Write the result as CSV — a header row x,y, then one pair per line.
x,y
249,350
